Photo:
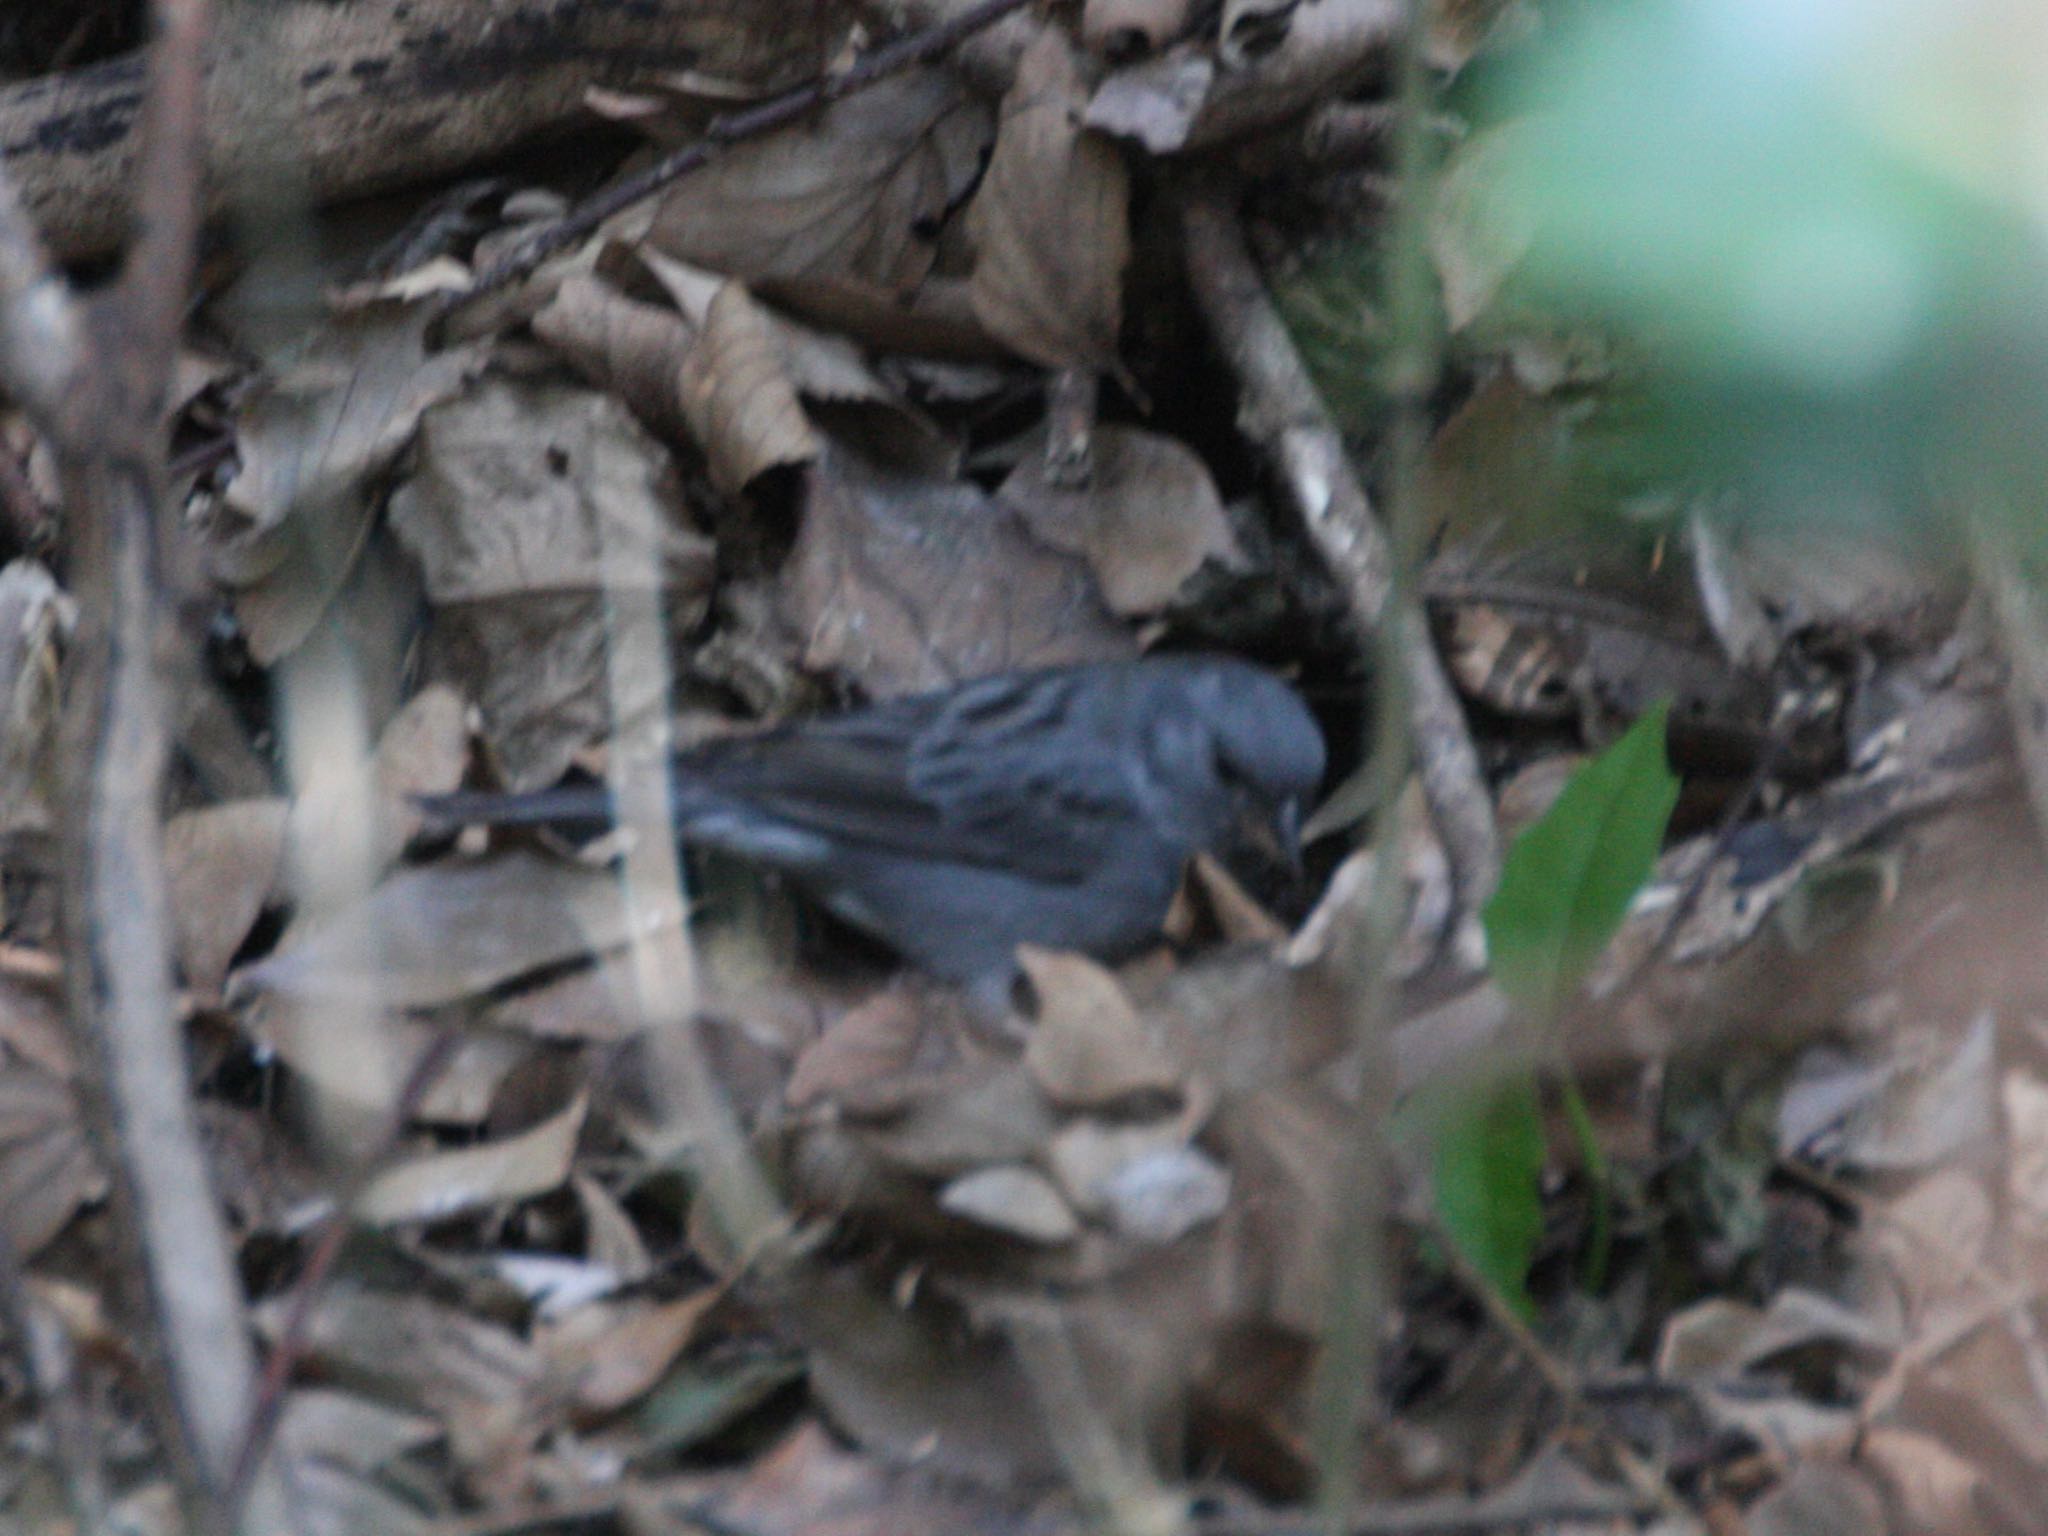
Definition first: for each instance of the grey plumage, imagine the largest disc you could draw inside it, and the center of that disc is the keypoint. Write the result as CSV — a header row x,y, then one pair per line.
x,y
1054,807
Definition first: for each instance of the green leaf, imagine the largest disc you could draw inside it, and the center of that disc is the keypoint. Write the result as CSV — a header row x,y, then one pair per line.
x,y
1570,877
1488,1157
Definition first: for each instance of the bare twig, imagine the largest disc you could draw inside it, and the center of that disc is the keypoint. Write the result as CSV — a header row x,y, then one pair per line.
x,y
267,1411
95,380
1283,412
732,128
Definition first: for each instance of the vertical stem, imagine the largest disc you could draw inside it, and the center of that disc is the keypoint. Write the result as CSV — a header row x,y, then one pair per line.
x,y
1344,1391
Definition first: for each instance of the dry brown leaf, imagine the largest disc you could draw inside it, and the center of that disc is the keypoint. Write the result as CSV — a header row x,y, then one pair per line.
x,y
967,1119
594,1003
938,322
911,1383
625,347
870,1044
32,1026
857,191
440,932
1932,1487
909,583
1088,1047
1147,520
444,1184
346,1427
1285,1147
47,1167
609,1354
610,1239
1085,1155
1013,1199
738,395
221,864
423,751
292,523
1818,1498
1050,222
428,1353
531,501
35,617
812,1483
470,1073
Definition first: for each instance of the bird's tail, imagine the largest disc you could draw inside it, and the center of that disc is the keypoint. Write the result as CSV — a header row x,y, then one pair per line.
x,y
577,811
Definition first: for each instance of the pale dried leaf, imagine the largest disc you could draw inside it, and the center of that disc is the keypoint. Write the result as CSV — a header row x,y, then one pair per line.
x,y
1912,1105
1050,222
1159,1197
47,1167
908,1382
874,1042
967,1119
1147,520
220,865
444,1184
937,322
1937,1236
424,751
1932,1487
531,501
611,1353
738,395
35,618
1818,1499
356,1431
1156,103
32,1026
623,346
593,1003
1013,1199
857,191
430,1354
1084,1156
440,932
470,1075
610,1238
292,523
909,583
1088,1046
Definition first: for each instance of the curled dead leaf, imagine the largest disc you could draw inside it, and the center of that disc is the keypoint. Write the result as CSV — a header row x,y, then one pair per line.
x,y
1050,222
1146,521
1088,1046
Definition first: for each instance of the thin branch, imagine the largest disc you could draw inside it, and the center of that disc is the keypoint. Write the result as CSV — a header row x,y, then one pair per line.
x,y
732,128
1285,415
96,380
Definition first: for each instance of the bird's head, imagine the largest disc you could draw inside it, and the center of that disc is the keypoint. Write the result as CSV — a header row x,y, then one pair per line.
x,y
1255,748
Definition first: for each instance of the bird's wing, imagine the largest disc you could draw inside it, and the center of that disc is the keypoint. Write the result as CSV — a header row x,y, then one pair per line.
x,y
952,778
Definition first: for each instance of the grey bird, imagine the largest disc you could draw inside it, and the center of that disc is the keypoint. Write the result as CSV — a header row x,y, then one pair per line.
x,y
1053,807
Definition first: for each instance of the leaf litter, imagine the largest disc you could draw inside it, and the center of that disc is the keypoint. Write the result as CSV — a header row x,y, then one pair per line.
x,y
796,407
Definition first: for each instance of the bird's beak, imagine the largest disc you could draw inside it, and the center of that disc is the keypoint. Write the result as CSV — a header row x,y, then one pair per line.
x,y
1287,831
1275,833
